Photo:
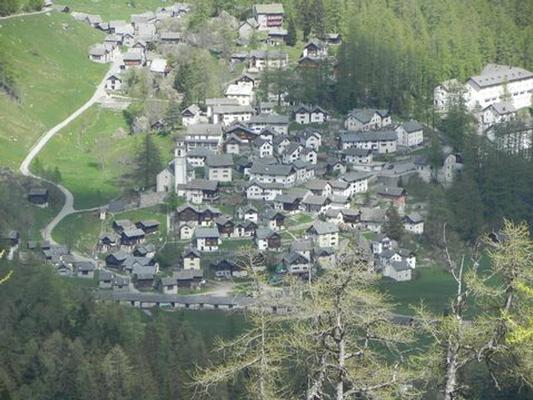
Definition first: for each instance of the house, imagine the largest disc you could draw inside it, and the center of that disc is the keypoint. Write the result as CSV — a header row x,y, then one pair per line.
x,y
497,113
452,163
382,142
242,132
105,279
244,94
414,223
309,156
494,84
365,119
394,194
245,228
227,115
276,123
343,216
146,250
226,268
170,37
400,271
148,225
310,138
280,142
84,269
324,234
197,157
372,218
257,190
191,258
225,226
159,66
318,187
247,29
315,204
357,156
235,145
339,201
196,216
296,263
303,247
219,167
304,114
113,83
292,153
309,62
304,170
186,231
131,237
99,54
197,191
274,173
276,36
335,166
120,225
332,38
113,40
267,239
133,59
191,115
206,239
264,147
289,203
248,213
93,20
357,181
169,284
121,283
146,31
274,219
116,259
268,15
190,279
315,48
38,196
410,134
259,60
209,136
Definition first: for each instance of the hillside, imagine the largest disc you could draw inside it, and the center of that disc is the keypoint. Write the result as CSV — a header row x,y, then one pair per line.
x,y
114,9
53,77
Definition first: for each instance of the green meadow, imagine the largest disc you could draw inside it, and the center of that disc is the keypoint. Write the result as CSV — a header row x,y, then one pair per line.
x,y
54,77
114,9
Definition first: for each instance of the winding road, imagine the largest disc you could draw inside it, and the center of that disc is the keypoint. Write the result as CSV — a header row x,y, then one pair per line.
x,y
68,207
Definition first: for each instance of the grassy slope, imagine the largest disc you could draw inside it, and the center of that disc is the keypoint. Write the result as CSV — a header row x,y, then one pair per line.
x,y
114,9
54,77
91,155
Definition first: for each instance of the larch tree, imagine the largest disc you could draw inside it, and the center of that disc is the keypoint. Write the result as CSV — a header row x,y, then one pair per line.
x,y
393,226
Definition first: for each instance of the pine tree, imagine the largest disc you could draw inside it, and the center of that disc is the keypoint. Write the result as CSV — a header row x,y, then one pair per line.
x,y
319,23
394,226
147,164
173,116
292,37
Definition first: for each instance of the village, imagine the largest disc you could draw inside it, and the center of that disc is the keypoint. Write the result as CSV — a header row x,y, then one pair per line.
x,y
292,182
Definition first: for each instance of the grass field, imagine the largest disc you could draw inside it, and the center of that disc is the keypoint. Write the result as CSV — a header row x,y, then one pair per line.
x,y
114,9
81,231
53,77
432,285
93,152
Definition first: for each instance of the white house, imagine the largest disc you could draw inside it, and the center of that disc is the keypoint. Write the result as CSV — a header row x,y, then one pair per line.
x,y
268,15
292,153
263,191
273,173
191,115
357,181
208,136
357,156
310,138
324,234
316,49
264,147
261,60
244,94
410,134
414,223
113,82
219,167
304,114
365,119
382,142
227,115
191,258
206,239
274,122
100,54
496,114
218,101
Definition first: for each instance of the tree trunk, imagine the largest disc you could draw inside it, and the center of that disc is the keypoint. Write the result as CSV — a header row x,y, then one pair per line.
x,y
451,371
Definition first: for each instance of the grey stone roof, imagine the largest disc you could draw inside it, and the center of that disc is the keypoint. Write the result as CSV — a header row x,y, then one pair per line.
x,y
201,184
373,215
199,152
414,218
372,136
188,251
412,126
503,108
204,129
302,245
219,160
204,233
393,191
269,119
274,8
323,228
316,184
354,176
232,109
273,169
264,233
494,74
269,54
188,274
315,200
399,266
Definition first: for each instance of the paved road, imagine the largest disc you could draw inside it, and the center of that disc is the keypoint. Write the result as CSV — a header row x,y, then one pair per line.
x,y
68,207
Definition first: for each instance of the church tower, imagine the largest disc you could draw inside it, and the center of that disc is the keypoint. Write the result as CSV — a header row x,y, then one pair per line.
x,y
180,165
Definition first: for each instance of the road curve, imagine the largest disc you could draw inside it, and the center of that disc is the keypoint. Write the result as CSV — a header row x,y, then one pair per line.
x,y
68,206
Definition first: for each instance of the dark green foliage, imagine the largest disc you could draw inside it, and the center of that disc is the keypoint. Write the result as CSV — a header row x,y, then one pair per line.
x,y
393,228
173,116
9,7
457,125
292,35
7,79
465,202
146,166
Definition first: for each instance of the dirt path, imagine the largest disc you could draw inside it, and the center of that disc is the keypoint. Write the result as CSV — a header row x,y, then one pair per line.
x,y
26,14
68,206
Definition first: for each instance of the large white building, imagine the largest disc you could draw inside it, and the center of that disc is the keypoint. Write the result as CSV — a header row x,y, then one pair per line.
x,y
495,84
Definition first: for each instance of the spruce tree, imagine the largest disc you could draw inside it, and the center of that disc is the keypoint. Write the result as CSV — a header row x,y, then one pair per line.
x,y
292,37
147,164
394,226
